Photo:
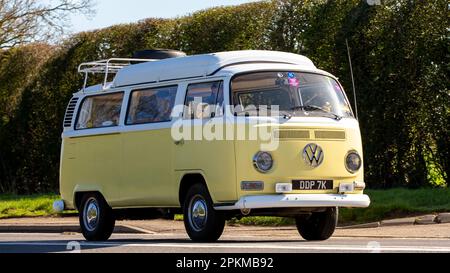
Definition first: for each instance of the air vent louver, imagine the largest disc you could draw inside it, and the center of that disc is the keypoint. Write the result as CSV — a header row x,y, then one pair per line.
x,y
70,112
330,135
292,134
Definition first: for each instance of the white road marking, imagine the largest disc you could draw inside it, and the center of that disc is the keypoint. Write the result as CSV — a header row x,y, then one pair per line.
x,y
176,236
246,246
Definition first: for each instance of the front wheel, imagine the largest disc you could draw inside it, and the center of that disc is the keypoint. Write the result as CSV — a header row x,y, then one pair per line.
x,y
202,222
96,218
319,226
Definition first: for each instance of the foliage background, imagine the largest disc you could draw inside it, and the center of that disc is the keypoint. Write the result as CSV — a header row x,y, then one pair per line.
x,y
400,53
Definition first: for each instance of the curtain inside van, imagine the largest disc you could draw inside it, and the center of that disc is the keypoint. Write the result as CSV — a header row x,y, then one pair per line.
x,y
85,114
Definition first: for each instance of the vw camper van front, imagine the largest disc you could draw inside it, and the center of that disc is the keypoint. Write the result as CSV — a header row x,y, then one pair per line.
x,y
315,146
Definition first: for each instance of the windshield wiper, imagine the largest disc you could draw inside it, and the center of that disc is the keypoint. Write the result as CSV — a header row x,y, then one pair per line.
x,y
284,114
309,108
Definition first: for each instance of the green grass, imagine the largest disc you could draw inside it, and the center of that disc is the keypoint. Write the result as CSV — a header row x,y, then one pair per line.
x,y
13,206
386,204
262,221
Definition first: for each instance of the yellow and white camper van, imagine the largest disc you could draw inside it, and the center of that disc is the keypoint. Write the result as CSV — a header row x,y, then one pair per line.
x,y
212,136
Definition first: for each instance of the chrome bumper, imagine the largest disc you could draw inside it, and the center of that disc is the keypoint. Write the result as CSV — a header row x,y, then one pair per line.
x,y
299,201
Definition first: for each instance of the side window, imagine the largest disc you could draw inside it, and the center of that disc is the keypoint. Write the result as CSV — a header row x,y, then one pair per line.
x,y
151,105
204,100
100,111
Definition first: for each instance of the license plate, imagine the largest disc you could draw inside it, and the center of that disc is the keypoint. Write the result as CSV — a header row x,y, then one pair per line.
x,y
310,185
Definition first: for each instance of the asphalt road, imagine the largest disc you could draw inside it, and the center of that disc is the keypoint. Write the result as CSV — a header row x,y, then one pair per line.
x,y
179,243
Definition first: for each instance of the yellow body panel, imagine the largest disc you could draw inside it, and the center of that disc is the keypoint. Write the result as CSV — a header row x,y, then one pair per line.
x,y
145,168
215,160
289,164
91,164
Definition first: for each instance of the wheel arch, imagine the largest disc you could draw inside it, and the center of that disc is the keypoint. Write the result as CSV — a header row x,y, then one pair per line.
x,y
189,179
78,197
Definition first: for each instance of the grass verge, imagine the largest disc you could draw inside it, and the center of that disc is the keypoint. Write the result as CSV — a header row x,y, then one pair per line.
x,y
13,206
395,203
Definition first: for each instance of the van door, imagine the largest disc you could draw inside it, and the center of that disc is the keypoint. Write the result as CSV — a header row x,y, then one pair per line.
x,y
204,148
148,148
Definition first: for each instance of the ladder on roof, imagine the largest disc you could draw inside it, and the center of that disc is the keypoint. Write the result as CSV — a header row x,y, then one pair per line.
x,y
106,67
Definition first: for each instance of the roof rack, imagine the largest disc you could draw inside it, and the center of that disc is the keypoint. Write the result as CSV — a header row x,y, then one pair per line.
x,y
107,67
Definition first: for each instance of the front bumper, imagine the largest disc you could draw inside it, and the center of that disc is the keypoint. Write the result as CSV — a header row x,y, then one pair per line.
x,y
300,201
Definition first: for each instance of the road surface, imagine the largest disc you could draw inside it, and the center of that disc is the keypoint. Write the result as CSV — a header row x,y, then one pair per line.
x,y
170,238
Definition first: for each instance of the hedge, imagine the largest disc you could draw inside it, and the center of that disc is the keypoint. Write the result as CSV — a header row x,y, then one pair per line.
x,y
400,53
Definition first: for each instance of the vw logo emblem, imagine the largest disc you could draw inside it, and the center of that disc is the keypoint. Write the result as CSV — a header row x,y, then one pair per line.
x,y
313,155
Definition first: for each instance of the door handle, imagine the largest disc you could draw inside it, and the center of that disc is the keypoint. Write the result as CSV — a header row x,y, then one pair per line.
x,y
179,142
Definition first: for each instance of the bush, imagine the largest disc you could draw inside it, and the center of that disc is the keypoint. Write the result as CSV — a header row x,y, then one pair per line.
x,y
399,49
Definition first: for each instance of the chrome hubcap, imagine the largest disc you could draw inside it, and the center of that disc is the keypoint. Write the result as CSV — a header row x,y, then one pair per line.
x,y
91,214
198,213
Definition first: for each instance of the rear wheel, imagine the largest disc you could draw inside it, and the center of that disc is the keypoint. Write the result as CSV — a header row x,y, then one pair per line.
x,y
96,218
202,222
318,226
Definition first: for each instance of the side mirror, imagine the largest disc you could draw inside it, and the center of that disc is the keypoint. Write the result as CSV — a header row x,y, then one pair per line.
x,y
200,110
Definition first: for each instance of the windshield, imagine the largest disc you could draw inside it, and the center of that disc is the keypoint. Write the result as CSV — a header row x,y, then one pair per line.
x,y
290,92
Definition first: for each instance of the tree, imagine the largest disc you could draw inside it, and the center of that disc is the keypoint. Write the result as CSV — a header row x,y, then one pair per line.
x,y
25,21
291,20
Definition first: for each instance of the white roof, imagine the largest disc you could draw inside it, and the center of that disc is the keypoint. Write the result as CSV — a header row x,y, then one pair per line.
x,y
203,65
232,70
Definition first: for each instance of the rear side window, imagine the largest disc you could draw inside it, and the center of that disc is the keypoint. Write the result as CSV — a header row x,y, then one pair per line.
x,y
100,111
151,105
204,100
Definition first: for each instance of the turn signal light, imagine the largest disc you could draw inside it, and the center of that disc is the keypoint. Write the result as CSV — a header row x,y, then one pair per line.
x,y
252,186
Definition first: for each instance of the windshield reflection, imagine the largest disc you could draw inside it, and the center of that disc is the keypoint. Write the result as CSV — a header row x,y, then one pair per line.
x,y
300,94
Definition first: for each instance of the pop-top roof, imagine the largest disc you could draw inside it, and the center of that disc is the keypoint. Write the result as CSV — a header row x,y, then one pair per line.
x,y
202,65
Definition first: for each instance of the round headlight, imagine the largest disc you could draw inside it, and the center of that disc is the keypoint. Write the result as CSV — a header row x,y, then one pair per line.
x,y
263,162
353,162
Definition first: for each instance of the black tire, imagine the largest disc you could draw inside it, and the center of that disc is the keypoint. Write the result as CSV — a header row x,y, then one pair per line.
x,y
208,228
319,226
101,227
